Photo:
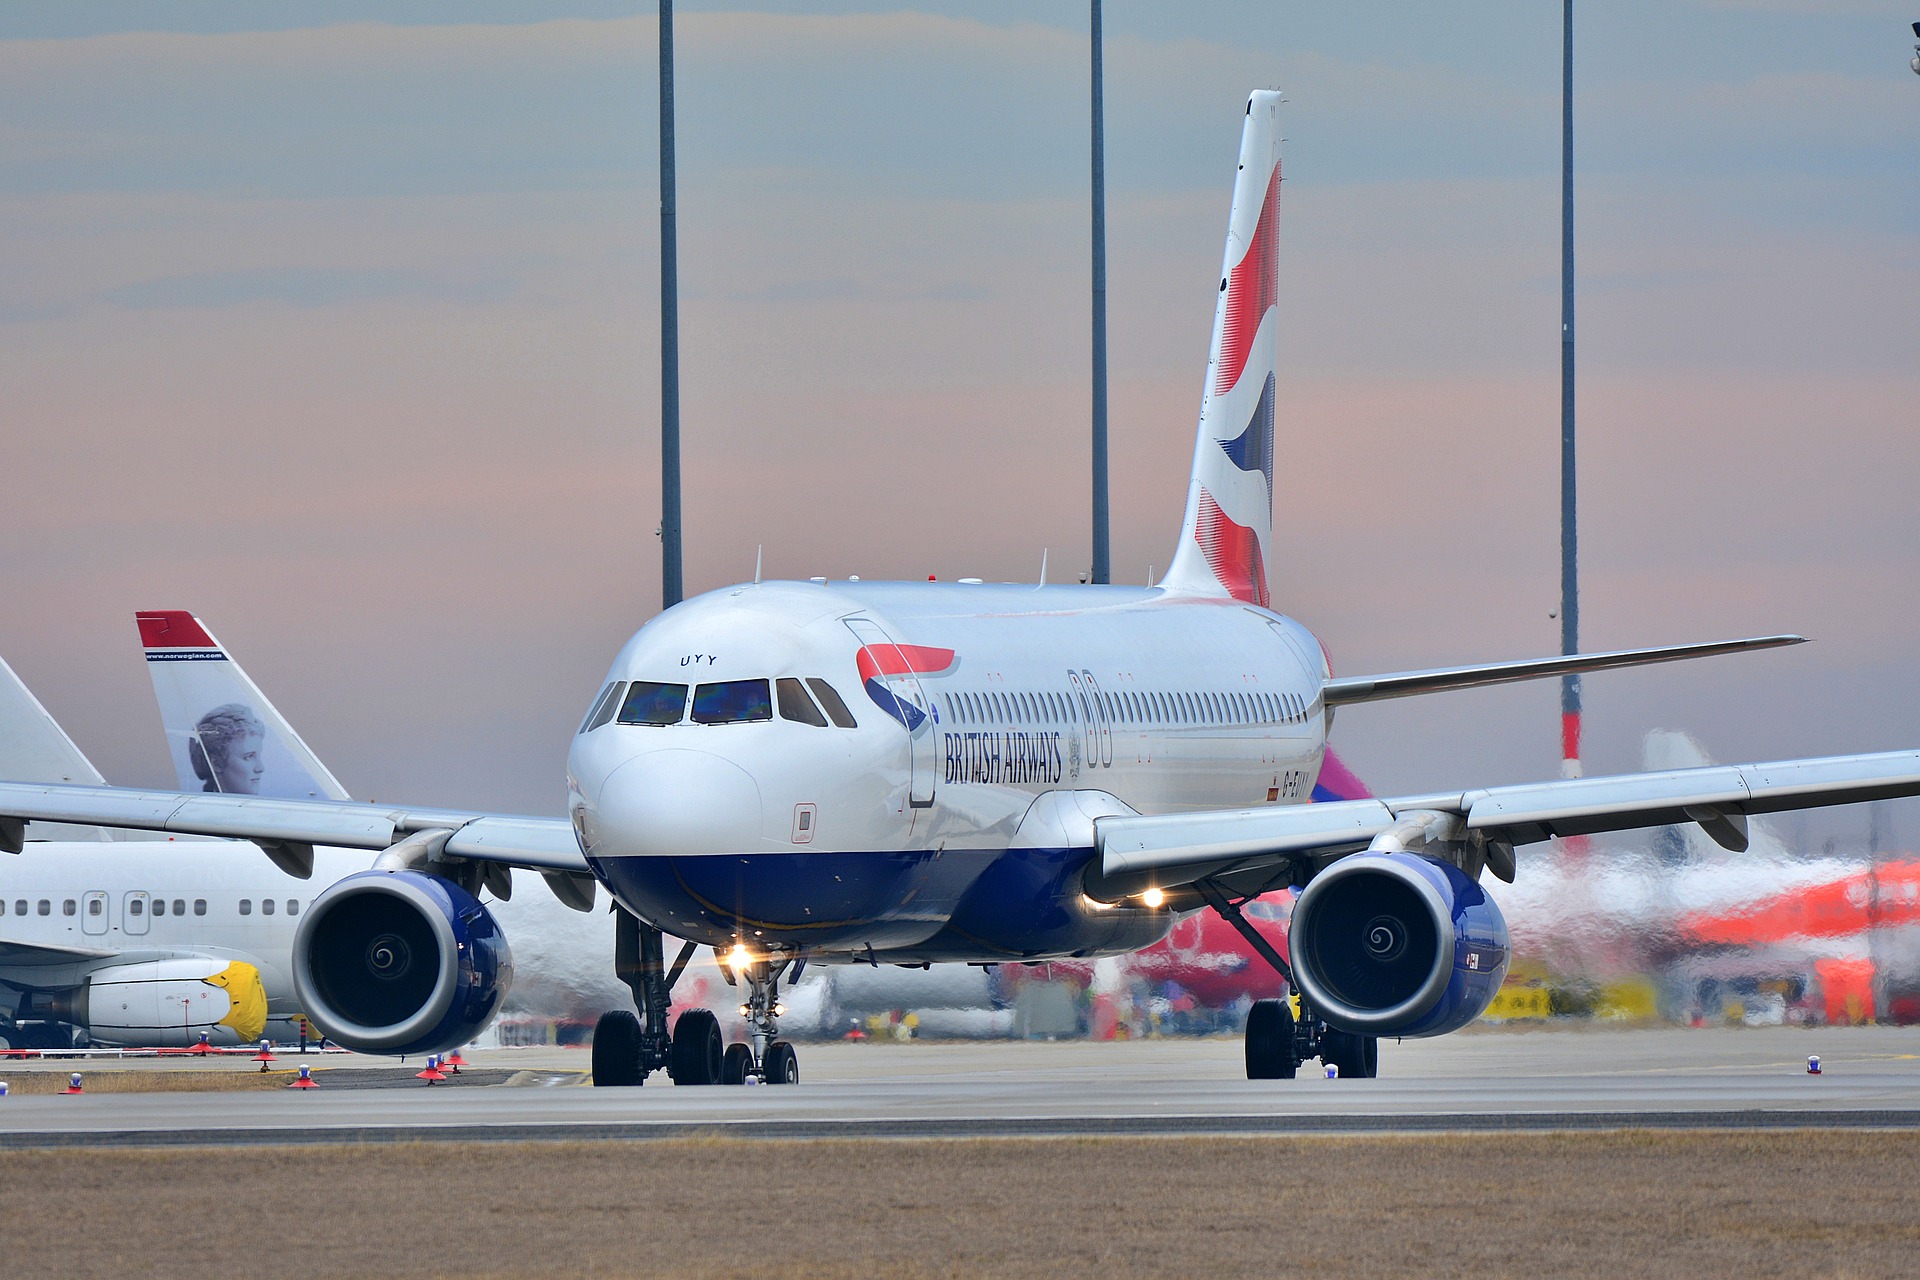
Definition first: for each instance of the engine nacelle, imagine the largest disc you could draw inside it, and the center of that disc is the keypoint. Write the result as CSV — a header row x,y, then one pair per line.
x,y
400,962
165,1003
1393,944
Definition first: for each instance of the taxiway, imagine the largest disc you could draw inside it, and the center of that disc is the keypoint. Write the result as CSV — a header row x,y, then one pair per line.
x,y
1492,1080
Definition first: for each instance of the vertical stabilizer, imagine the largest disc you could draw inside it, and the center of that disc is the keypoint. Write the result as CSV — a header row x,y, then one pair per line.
x,y
34,748
1226,540
222,732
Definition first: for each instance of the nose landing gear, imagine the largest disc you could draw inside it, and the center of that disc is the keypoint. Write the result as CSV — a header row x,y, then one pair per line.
x,y
766,1058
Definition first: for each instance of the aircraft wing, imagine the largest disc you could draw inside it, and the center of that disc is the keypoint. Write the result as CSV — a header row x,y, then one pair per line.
x,y
33,955
1254,850
1405,684
540,844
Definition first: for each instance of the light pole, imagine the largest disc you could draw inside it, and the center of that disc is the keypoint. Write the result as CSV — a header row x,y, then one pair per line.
x,y
1102,560
1569,528
671,588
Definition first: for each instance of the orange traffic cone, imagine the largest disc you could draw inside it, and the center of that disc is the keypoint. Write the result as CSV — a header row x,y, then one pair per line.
x,y
305,1080
433,1074
74,1084
453,1062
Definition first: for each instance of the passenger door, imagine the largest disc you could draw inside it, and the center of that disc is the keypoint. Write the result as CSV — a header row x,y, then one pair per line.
x,y
910,708
94,910
133,912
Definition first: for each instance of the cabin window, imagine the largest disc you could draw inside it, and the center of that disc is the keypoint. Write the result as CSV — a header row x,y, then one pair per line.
x,y
266,906
830,702
179,906
3,906
20,906
95,906
70,908
795,705
46,907
159,906
732,702
293,906
135,907
199,906
651,702
246,906
603,707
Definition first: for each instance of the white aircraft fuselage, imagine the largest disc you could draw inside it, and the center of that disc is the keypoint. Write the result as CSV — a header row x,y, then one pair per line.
x,y
994,724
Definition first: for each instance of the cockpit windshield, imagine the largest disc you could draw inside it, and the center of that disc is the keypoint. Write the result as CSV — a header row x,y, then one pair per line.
x,y
732,702
649,702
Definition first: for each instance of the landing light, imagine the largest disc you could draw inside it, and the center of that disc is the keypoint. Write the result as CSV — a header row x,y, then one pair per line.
x,y
1153,899
738,959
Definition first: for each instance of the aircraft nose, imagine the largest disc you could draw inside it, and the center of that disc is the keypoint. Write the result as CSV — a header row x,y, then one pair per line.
x,y
677,801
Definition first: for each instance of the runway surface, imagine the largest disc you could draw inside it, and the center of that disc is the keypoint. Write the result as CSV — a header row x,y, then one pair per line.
x,y
1492,1080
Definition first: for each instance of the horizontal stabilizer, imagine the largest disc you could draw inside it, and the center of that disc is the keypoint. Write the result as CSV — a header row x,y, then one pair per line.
x,y
1405,684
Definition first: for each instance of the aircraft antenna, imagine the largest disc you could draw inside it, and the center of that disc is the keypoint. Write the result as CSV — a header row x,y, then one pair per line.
x,y
1569,529
1102,564
670,581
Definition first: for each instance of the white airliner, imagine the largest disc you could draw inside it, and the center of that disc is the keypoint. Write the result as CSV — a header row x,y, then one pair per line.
x,y
806,772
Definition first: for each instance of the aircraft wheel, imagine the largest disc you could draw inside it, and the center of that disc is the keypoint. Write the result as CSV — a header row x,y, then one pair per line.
x,y
616,1049
697,1048
1357,1056
783,1064
736,1065
1270,1041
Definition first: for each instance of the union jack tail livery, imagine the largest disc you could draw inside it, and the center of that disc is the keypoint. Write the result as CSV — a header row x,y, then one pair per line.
x,y
1228,533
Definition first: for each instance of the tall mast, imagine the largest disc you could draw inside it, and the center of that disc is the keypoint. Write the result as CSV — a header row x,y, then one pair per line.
x,y
1102,559
1569,528
671,589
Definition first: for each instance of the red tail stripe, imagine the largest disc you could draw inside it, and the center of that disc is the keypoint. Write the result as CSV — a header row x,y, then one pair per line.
x,y
172,629
1253,286
1232,552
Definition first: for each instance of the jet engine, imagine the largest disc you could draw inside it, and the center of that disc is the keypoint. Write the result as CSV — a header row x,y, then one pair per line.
x,y
1394,944
400,962
162,1003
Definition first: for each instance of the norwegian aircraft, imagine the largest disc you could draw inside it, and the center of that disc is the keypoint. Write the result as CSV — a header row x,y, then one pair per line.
x,y
860,772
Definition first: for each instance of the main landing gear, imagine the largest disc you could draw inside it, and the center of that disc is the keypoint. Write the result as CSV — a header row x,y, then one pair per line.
x,y
1278,1042
626,1048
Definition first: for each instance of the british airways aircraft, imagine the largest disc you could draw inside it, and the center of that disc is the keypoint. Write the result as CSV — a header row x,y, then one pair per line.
x,y
796,773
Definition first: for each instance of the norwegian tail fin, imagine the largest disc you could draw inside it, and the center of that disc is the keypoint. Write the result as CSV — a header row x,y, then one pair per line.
x,y
1228,534
222,732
